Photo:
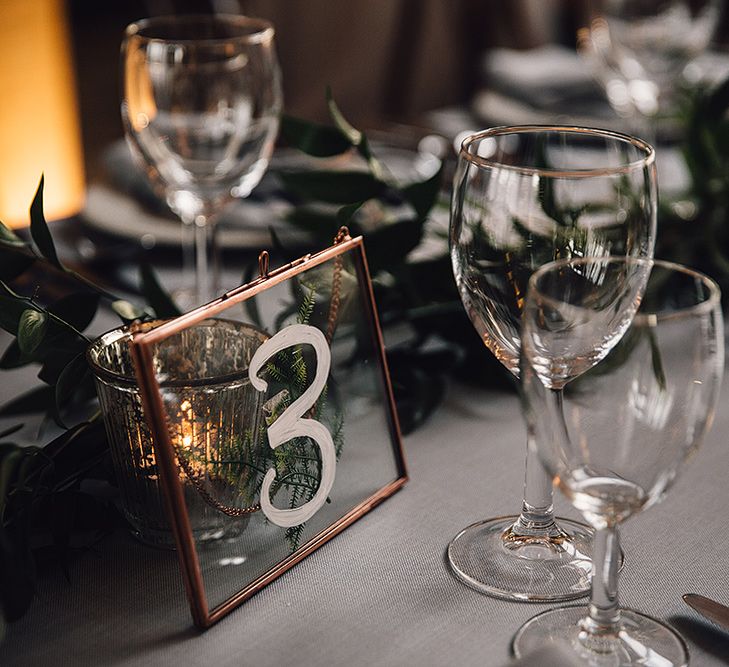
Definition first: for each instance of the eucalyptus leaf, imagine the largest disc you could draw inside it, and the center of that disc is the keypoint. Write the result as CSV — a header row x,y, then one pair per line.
x,y
373,163
250,306
127,311
71,379
162,303
9,237
417,392
13,262
31,329
388,246
10,458
52,367
353,135
77,310
423,194
717,102
322,226
11,309
346,213
39,228
314,139
334,187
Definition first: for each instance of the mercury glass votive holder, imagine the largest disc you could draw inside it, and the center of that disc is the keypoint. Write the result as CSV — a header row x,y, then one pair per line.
x,y
215,420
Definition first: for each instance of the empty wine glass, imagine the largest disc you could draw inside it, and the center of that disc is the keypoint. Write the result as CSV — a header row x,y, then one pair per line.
x,y
522,197
201,99
630,414
639,50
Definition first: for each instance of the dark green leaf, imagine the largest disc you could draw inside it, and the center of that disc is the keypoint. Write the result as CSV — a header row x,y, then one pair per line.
x,y
423,195
39,228
288,254
251,305
354,136
78,309
70,379
717,102
127,311
11,308
14,262
80,446
417,392
9,237
31,329
314,139
335,187
36,400
11,457
54,363
13,357
162,303
373,163
322,226
388,246
345,214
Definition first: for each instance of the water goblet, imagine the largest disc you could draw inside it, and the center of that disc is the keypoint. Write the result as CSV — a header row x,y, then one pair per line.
x,y
522,197
629,414
201,99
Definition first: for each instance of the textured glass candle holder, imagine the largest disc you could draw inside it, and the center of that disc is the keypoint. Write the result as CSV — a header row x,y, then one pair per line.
x,y
215,420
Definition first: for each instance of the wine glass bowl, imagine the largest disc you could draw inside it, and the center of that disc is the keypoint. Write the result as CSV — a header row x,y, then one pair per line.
x,y
565,338
524,196
626,425
201,99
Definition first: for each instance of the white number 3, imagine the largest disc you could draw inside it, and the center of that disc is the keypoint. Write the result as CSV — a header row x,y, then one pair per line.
x,y
291,424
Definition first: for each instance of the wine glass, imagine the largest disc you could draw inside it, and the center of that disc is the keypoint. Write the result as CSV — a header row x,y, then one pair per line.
x,y
522,197
201,99
630,416
639,51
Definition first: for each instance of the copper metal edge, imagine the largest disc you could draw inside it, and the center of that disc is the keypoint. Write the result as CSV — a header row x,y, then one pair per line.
x,y
141,344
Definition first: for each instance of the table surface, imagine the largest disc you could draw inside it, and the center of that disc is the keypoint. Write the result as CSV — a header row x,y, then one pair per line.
x,y
381,593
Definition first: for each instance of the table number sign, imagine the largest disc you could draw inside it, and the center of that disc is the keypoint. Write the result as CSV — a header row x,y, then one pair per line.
x,y
290,423
287,431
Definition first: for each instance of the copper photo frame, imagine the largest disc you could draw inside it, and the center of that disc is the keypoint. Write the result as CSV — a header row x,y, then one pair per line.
x,y
282,431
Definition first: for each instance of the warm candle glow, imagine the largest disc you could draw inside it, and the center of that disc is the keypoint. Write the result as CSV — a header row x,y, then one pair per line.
x,y
39,129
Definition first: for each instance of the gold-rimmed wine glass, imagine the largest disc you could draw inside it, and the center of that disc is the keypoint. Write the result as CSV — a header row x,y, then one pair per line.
x,y
524,196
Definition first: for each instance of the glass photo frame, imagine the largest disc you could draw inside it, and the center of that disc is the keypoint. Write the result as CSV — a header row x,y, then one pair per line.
x,y
273,422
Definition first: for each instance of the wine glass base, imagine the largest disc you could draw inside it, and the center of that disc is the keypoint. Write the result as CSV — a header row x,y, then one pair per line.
x,y
641,641
535,569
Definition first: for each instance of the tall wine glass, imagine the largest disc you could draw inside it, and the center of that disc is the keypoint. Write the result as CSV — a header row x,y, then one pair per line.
x,y
524,196
201,99
631,414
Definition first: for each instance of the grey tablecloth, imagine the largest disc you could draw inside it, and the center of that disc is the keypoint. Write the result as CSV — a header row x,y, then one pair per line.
x,y
381,592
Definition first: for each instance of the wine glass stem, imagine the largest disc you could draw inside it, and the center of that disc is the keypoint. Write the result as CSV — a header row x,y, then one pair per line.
x,y
207,259
537,511
602,624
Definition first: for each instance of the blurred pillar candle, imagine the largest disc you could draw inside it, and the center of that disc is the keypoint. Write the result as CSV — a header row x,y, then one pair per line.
x,y
39,128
